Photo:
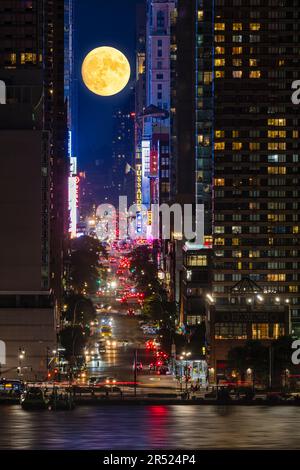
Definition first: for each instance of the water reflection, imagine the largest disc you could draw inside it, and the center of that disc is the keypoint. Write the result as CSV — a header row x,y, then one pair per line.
x,y
151,427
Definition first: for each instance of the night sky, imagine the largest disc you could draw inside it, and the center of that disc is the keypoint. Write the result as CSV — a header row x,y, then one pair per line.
x,y
99,23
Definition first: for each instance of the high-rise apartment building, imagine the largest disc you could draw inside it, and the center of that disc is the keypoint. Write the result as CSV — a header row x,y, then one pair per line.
x,y
33,178
158,94
255,142
153,93
235,65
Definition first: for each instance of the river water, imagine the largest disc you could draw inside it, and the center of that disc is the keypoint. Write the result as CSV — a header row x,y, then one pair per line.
x,y
151,427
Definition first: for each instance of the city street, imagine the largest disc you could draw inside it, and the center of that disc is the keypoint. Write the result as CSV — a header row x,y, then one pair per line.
x,y
150,261
118,362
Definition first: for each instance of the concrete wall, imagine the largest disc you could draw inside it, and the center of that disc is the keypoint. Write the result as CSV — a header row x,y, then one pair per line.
x,y
32,330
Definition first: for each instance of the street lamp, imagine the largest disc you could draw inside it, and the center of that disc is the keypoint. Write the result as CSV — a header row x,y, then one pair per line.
x,y
21,357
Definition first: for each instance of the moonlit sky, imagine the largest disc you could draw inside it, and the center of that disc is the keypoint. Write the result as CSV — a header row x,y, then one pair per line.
x,y
99,23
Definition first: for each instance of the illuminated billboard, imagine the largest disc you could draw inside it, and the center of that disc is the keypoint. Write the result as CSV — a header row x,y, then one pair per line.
x,y
73,199
146,173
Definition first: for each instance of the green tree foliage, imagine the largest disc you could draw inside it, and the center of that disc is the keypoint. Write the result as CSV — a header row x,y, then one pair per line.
x,y
254,355
144,270
73,339
282,353
85,268
79,309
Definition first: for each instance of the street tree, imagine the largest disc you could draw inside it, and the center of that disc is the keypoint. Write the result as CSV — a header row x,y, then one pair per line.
x,y
253,355
85,267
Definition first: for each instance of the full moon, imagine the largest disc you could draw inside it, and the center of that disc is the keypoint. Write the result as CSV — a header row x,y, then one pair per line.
x,y
105,71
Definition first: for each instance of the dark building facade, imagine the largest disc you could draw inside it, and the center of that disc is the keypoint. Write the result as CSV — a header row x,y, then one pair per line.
x,y
236,138
191,164
255,142
253,315
32,158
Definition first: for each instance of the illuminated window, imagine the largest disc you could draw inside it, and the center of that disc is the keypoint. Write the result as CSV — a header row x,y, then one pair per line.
x,y
200,15
255,74
255,26
267,330
295,134
219,145
219,241
237,50
254,254
165,187
235,134
219,38
237,38
231,330
220,50
237,62
219,62
276,217
293,288
235,241
237,145
276,134
219,182
207,78
219,134
28,57
196,260
237,74
236,253
254,145
219,26
237,26
253,62
260,331
295,229
276,146
219,74
13,59
239,265
276,170
277,122
219,229
276,277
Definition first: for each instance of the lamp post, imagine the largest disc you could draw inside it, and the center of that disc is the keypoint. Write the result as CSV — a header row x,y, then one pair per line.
x,y
21,356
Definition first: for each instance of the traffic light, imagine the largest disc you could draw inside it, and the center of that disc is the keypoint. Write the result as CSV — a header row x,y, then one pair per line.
x,y
19,370
203,350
